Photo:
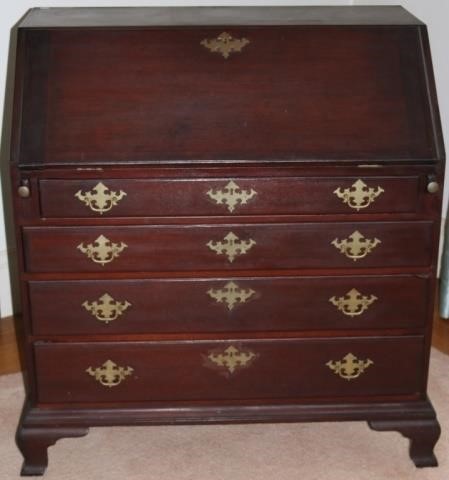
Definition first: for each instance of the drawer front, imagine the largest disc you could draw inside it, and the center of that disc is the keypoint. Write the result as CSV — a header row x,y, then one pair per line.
x,y
228,370
228,247
231,196
227,304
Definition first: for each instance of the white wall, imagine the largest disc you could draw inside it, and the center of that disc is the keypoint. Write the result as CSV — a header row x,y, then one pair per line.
x,y
434,12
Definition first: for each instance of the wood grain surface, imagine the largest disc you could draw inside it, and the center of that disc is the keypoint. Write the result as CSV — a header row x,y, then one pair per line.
x,y
271,101
171,371
213,305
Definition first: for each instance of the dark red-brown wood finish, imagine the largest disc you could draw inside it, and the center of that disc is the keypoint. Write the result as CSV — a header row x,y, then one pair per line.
x,y
219,236
203,247
183,305
195,197
286,370
219,113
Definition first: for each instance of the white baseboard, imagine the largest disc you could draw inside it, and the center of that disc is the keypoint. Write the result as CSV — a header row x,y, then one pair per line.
x,y
6,309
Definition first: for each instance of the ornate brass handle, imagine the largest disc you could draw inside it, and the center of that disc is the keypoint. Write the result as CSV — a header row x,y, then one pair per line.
x,y
350,367
225,44
358,196
231,246
229,360
353,303
106,309
100,199
109,374
231,294
231,195
102,251
356,246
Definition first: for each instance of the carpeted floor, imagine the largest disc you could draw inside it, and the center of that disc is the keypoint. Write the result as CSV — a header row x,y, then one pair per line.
x,y
320,451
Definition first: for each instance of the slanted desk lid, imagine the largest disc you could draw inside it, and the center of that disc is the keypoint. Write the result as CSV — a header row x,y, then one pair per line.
x,y
225,93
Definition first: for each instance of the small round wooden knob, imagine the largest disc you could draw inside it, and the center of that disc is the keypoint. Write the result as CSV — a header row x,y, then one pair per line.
x,y
433,187
23,191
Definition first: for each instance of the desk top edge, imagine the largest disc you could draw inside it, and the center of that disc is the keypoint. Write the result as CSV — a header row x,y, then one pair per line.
x,y
80,17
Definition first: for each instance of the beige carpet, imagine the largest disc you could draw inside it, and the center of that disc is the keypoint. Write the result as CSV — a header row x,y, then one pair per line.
x,y
334,451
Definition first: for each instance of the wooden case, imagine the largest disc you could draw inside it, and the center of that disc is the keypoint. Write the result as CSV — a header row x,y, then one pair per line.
x,y
225,215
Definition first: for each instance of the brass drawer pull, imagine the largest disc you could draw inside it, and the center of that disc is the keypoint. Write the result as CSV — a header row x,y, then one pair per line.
x,y
353,303
356,246
106,309
24,191
229,360
102,251
100,199
433,187
231,294
350,367
231,246
231,195
358,196
225,44
109,374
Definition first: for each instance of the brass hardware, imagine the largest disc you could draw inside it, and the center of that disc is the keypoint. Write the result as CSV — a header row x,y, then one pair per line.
x,y
89,169
231,246
230,360
102,251
24,191
100,199
353,303
356,246
358,196
231,294
225,44
433,187
109,374
106,309
350,367
231,195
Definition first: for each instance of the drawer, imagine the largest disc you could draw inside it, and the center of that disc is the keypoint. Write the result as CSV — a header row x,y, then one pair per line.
x,y
228,247
229,370
227,304
227,196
